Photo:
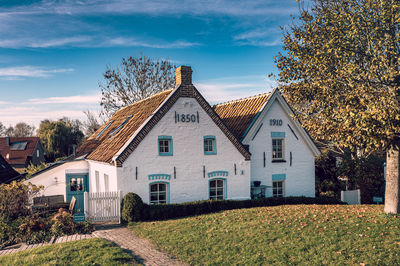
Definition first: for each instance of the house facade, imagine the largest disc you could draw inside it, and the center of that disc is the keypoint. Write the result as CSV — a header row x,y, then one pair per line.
x,y
19,152
174,147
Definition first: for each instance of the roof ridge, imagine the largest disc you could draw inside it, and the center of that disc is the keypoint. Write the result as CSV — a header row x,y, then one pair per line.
x,y
243,99
142,100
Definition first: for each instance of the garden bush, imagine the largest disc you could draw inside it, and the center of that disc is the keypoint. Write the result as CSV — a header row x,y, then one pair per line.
x,y
132,208
14,199
170,211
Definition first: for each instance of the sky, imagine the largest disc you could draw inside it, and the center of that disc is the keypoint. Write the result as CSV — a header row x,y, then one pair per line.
x,y
53,53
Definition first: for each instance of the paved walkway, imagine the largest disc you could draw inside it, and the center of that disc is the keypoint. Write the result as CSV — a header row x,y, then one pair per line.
x,y
11,250
144,251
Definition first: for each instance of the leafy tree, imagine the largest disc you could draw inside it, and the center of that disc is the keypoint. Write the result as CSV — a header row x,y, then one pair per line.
x,y
59,137
136,78
21,129
340,69
31,169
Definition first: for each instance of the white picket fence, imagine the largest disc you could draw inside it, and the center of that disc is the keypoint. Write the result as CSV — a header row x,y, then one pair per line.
x,y
103,206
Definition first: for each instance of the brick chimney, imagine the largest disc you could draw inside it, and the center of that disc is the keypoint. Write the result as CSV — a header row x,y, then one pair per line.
x,y
183,75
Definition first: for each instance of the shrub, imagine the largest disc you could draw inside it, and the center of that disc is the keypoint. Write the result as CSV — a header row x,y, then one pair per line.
x,y
132,208
9,231
170,211
14,199
35,229
63,223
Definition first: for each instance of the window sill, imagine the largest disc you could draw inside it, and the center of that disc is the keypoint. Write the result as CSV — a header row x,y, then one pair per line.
x,y
165,154
279,161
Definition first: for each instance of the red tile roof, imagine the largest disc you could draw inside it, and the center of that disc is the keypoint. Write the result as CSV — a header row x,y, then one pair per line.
x,y
14,157
239,114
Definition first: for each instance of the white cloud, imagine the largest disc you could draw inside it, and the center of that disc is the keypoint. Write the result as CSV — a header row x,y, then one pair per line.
x,y
95,98
33,111
216,92
13,73
123,41
260,37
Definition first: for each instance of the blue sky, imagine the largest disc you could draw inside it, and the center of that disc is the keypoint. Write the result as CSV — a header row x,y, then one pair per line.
x,y
53,53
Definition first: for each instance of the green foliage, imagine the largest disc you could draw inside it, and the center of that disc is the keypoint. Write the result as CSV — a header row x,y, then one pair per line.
x,y
95,251
10,232
340,71
132,208
14,198
58,137
365,173
171,211
63,223
31,169
281,235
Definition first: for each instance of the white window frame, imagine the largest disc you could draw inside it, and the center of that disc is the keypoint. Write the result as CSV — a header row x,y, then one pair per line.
x,y
97,177
158,192
274,156
106,183
217,188
275,190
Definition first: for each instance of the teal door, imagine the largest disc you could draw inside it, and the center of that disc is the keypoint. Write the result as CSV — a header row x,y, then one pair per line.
x,y
77,184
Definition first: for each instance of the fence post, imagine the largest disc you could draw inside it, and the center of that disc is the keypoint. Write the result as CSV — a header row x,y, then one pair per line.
x,y
86,204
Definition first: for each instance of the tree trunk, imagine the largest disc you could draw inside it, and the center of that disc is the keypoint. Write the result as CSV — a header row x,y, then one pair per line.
x,y
392,203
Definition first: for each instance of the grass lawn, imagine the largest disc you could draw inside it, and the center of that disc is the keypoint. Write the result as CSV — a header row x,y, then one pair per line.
x,y
95,251
296,234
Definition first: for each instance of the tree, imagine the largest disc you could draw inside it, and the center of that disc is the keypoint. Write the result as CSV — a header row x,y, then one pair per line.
x,y
92,123
340,70
21,129
136,78
59,137
2,129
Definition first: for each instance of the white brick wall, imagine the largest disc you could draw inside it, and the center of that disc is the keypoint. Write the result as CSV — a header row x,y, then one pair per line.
x,y
188,159
300,176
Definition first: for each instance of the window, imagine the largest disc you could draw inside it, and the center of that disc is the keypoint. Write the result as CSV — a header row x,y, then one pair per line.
x,y
277,149
97,176
210,145
18,146
158,193
76,184
165,146
115,131
104,129
37,153
277,189
217,189
106,183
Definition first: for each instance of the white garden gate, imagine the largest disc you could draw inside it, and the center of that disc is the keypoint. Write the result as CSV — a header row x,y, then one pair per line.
x,y
103,206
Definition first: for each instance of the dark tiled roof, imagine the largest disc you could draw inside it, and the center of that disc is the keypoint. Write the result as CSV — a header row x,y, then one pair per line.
x,y
102,147
16,157
7,173
239,114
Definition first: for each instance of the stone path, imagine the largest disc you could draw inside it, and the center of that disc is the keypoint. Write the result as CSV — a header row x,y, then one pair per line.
x,y
62,239
144,251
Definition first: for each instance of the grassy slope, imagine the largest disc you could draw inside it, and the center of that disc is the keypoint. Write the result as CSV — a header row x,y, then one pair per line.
x,y
299,234
83,252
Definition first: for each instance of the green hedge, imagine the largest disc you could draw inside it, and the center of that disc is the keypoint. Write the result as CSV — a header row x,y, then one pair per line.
x,y
170,211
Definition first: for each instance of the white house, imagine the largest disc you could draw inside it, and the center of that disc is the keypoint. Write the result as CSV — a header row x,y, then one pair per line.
x,y
174,147
282,152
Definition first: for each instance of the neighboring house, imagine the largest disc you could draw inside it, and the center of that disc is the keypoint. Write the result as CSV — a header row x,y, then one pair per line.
x,y
19,152
282,152
173,147
7,173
